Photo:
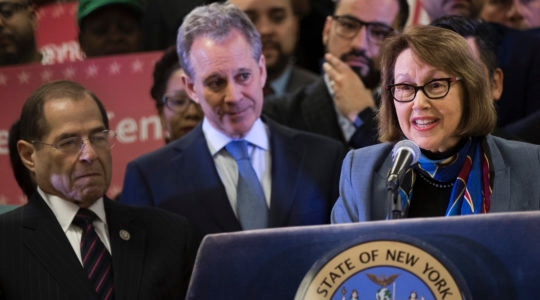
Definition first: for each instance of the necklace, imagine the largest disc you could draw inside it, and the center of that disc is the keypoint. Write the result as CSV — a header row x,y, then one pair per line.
x,y
435,183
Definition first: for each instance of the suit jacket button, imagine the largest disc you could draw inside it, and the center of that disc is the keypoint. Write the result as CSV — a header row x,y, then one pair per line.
x,y
124,234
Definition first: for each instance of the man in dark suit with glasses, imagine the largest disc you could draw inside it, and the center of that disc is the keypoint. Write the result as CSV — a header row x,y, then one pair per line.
x,y
70,241
342,103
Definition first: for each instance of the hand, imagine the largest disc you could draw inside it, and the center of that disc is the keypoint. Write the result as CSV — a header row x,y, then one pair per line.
x,y
350,95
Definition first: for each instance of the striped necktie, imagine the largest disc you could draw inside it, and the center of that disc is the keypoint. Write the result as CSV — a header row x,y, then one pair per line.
x,y
251,204
96,259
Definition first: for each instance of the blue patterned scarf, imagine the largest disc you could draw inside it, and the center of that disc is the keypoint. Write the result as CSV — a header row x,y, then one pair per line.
x,y
471,192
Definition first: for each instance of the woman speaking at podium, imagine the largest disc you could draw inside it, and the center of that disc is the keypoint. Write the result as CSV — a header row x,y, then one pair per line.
x,y
436,95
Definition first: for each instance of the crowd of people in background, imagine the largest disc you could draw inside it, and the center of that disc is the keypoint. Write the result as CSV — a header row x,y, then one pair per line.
x,y
276,113
300,45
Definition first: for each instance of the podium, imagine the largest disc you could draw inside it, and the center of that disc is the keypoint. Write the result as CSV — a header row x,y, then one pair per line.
x,y
492,256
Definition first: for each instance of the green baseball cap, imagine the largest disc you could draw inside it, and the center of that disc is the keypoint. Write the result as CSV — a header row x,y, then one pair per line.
x,y
86,7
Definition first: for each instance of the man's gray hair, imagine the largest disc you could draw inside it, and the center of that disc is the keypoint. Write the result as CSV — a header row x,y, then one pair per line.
x,y
214,21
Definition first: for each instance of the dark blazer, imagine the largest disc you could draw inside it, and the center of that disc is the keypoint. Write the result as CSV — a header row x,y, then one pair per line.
x,y
525,129
312,109
38,262
518,55
181,177
299,77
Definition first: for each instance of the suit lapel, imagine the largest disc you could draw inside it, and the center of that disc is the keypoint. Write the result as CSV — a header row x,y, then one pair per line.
x,y
287,159
377,208
128,250
205,187
319,112
502,181
46,240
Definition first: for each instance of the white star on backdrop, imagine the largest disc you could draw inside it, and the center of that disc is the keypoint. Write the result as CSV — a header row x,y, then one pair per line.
x,y
3,79
58,11
137,66
24,77
92,70
69,72
46,75
114,68
3,199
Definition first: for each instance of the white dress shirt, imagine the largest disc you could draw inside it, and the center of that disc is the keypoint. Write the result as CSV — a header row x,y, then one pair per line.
x,y
259,153
65,212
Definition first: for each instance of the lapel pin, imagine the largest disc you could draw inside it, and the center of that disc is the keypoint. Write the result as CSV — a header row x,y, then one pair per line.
x,y
124,234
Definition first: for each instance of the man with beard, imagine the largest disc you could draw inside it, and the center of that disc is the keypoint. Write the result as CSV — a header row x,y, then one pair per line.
x,y
277,22
342,103
17,33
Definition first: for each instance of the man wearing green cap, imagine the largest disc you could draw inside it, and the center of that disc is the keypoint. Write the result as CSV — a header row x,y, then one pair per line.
x,y
108,27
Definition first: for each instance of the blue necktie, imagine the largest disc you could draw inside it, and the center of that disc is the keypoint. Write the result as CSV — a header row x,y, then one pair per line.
x,y
97,261
251,205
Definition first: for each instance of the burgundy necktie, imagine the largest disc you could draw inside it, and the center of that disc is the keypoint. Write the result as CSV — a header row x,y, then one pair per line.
x,y
96,259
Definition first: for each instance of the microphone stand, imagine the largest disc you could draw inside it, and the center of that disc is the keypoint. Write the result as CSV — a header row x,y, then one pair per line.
x,y
394,207
404,154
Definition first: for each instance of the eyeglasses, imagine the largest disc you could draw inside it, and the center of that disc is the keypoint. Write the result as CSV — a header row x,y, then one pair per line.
x,y
103,140
435,89
8,9
178,102
347,27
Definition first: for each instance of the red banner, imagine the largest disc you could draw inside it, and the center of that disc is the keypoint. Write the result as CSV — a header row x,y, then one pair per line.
x,y
123,85
56,33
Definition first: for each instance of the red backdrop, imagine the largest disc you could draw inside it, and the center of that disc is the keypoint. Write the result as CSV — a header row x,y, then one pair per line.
x,y
56,32
121,82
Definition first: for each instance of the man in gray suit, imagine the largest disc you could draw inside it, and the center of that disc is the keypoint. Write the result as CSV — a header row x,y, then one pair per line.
x,y
64,145
196,176
342,103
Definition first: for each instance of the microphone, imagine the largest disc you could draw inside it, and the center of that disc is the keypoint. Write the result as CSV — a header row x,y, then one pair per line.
x,y
405,153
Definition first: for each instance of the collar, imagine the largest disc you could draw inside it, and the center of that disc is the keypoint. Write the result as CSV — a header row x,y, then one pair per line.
x,y
328,85
65,211
216,140
280,83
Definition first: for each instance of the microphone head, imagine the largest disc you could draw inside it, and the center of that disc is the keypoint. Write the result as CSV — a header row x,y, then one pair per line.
x,y
407,145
